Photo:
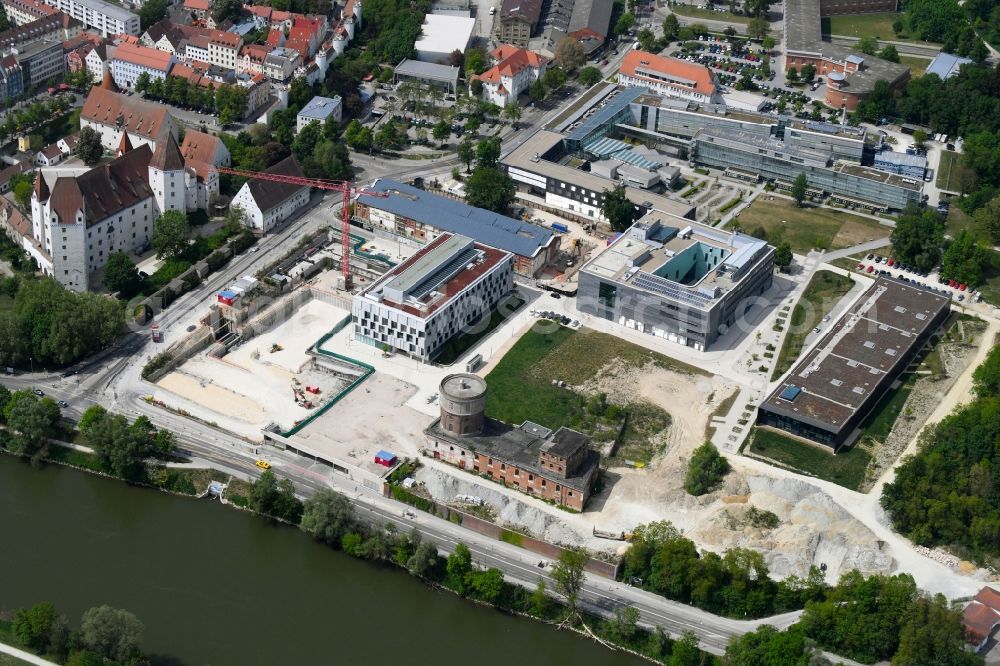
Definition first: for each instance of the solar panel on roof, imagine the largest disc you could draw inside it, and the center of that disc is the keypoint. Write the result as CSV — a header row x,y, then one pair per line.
x,y
790,393
667,288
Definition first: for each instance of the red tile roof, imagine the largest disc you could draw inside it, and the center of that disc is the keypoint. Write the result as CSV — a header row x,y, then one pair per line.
x,y
510,61
256,52
700,76
225,39
199,147
275,37
989,597
143,57
106,190
979,621
196,5
139,116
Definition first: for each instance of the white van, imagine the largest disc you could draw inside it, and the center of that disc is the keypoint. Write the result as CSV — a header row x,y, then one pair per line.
x,y
493,10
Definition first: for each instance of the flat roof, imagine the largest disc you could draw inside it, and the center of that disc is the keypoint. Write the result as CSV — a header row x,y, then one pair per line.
x,y
320,107
902,159
838,376
747,141
880,176
529,157
506,233
828,129
946,65
428,70
108,9
444,34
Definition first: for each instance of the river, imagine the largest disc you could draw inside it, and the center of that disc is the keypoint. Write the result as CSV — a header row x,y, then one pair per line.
x,y
222,587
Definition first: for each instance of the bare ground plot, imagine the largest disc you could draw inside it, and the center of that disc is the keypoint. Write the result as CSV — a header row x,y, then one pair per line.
x,y
252,387
781,221
952,174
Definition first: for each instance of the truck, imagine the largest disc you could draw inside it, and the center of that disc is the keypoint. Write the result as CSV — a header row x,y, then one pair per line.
x,y
560,227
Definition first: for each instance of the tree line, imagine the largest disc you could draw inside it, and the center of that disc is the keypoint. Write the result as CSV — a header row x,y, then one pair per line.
x,y
227,101
106,636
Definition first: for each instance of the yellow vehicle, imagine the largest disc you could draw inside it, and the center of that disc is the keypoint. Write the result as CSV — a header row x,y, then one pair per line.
x,y
263,464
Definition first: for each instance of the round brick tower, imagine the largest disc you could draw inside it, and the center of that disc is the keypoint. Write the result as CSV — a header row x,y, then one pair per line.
x,y
463,401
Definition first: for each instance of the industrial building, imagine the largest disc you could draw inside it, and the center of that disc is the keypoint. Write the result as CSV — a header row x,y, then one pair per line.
x,y
688,284
421,216
831,389
850,75
556,466
429,299
443,35
427,74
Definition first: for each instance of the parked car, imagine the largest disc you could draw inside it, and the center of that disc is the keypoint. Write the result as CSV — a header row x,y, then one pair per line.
x,y
263,464
38,392
63,404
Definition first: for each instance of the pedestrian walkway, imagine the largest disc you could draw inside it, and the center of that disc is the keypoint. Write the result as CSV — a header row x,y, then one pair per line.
x,y
25,656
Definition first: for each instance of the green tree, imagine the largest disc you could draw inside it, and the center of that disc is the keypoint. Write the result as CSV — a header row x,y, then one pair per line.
x,y
917,238
489,188
783,256
758,27
567,574
424,560
22,192
31,421
111,632
624,624
536,91
932,633
624,23
475,61
150,12
590,75
964,260
539,600
171,233
987,220
646,39
441,131
306,140
808,72
867,45
227,9
488,153
768,43
792,75
618,210
554,78
512,112
88,147
898,27
488,585
458,566
686,651
671,26
757,7
467,152
767,645
33,626
799,187
121,447
328,516
889,53
121,275
569,53
706,470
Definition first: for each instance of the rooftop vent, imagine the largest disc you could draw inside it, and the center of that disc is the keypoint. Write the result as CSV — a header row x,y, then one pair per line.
x,y
858,390
869,344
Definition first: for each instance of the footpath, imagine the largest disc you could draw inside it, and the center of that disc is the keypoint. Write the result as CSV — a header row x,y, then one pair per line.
x,y
25,656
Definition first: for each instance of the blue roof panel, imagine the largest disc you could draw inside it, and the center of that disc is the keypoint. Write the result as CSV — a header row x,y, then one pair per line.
x,y
790,393
484,226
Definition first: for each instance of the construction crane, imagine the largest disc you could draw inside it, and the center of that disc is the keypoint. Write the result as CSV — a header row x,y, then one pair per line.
x,y
345,187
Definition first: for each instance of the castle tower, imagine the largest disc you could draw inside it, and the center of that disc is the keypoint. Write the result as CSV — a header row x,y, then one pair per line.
x,y
167,176
39,203
124,145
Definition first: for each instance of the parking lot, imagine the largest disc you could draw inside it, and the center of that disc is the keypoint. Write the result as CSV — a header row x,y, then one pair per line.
x,y
876,264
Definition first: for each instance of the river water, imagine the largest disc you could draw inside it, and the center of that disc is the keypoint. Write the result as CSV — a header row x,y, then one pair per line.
x,y
221,587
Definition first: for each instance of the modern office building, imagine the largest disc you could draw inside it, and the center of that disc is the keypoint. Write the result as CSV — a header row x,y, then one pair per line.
x,y
108,19
320,110
429,299
686,283
670,77
427,74
843,141
40,62
833,387
904,164
771,159
421,216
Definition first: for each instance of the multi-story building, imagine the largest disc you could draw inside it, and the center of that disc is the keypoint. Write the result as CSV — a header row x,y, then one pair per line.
x,y
319,110
57,27
11,79
78,222
20,12
251,60
202,153
98,63
685,282
772,159
442,35
904,164
281,63
113,114
421,304
516,20
106,18
266,203
224,49
670,77
834,386
420,216
513,72
40,62
557,467
130,62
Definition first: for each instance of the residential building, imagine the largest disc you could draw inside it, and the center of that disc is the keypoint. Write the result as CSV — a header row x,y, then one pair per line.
x,y
558,467
981,617
513,72
11,78
904,164
947,65
321,110
20,12
130,62
266,203
441,36
678,280
850,75
422,217
98,63
24,166
427,74
834,386
40,62
113,114
670,77
196,48
280,64
57,27
587,21
50,155
516,20
224,49
200,9
306,35
251,60
420,305
67,144
106,18
202,153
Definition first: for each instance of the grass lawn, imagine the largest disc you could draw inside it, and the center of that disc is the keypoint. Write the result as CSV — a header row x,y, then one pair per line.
x,y
880,420
56,129
958,221
521,387
916,64
698,12
822,293
846,468
721,410
951,171
6,302
991,288
809,227
454,349
878,24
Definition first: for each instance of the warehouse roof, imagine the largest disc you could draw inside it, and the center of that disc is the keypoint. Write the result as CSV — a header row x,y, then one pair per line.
x,y
445,34
946,65
500,231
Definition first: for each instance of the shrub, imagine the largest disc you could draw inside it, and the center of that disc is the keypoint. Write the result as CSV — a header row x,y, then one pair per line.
x,y
705,470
